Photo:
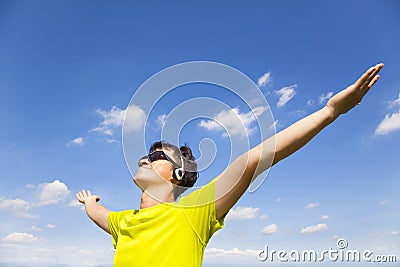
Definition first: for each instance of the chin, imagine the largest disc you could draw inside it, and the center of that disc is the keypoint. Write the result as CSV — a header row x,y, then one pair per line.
x,y
145,177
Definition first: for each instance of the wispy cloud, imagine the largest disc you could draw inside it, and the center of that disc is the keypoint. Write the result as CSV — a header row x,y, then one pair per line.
x,y
264,80
235,122
242,213
384,202
240,256
133,117
35,228
389,124
314,228
18,206
285,95
312,205
21,238
394,103
324,97
161,120
324,217
77,141
393,233
270,229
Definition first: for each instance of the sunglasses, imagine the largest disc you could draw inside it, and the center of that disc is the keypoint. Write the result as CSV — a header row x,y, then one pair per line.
x,y
158,155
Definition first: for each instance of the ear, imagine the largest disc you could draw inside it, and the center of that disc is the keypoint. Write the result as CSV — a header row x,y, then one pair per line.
x,y
178,174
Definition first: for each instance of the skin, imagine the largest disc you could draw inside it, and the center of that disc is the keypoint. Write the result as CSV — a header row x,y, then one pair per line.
x,y
156,178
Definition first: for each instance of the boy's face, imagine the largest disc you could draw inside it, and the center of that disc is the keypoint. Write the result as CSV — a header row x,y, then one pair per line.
x,y
156,172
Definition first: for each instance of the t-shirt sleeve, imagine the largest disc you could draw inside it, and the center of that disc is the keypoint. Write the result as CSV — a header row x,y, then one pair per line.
x,y
114,221
199,208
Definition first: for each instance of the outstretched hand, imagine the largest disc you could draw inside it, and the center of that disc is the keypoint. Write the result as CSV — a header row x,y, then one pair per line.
x,y
82,196
352,95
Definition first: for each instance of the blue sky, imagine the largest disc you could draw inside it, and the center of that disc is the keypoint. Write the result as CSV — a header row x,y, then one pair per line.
x,y
68,71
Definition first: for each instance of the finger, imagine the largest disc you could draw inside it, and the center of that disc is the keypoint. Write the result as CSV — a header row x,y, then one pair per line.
x,y
89,193
365,76
368,82
376,78
84,193
371,83
378,67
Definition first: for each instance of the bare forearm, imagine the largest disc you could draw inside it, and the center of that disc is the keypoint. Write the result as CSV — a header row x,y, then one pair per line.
x,y
300,133
98,214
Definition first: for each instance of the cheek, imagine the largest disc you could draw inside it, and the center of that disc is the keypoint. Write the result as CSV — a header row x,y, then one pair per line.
x,y
162,169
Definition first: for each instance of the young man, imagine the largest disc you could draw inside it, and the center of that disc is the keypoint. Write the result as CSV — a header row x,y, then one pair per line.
x,y
168,233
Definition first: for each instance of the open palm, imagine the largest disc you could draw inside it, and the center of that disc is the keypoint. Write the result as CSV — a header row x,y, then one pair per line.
x,y
352,95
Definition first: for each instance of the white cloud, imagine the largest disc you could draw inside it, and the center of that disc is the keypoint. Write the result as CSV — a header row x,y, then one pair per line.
x,y
323,97
134,118
23,254
383,202
274,125
50,226
394,233
18,206
76,204
103,129
235,122
270,229
242,213
76,141
379,249
20,238
113,117
264,80
161,120
395,102
324,217
389,124
244,257
312,205
263,217
286,94
374,235
314,228
230,252
15,204
34,228
278,200
53,193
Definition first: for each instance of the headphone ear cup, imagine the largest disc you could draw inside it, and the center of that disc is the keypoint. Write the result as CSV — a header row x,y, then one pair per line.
x,y
178,174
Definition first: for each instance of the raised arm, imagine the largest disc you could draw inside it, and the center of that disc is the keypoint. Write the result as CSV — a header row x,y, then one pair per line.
x,y
96,212
234,181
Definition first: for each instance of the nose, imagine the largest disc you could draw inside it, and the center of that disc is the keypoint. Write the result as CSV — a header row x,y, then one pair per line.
x,y
143,161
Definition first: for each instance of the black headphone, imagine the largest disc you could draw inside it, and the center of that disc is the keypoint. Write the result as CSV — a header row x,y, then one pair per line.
x,y
178,172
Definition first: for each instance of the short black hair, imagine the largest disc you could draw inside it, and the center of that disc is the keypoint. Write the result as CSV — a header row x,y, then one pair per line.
x,y
190,166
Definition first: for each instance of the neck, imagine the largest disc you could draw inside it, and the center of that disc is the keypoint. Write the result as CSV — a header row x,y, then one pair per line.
x,y
154,196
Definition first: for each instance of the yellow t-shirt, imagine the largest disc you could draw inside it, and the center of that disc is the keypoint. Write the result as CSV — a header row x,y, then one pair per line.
x,y
168,234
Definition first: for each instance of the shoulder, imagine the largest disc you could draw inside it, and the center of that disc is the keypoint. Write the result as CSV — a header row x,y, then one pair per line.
x,y
118,215
201,196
